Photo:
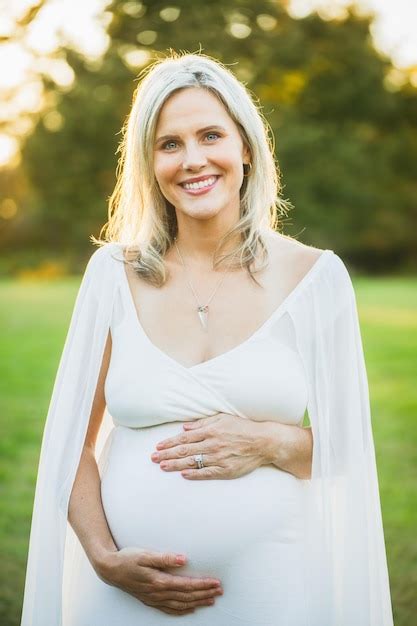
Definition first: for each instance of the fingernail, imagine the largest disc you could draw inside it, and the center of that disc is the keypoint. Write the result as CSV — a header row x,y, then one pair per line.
x,y
180,558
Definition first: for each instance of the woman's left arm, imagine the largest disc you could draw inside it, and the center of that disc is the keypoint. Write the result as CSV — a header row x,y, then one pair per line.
x,y
288,447
233,446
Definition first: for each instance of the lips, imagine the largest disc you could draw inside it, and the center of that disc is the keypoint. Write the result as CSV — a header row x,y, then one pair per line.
x,y
200,179
200,190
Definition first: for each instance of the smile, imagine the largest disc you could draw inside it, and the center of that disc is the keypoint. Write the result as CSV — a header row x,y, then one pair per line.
x,y
203,186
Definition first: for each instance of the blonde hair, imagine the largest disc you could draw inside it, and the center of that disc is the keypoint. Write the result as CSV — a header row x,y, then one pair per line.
x,y
140,217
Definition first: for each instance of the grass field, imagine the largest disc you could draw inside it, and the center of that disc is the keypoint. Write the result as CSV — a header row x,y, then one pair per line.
x,y
34,319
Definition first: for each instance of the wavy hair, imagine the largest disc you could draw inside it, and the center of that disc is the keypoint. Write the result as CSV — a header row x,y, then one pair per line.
x,y
141,218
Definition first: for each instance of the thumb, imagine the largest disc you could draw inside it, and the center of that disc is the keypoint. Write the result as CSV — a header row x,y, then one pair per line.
x,y
192,425
200,422
164,559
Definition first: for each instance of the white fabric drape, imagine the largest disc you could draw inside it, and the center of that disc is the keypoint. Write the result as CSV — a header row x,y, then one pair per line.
x,y
347,575
63,438
345,572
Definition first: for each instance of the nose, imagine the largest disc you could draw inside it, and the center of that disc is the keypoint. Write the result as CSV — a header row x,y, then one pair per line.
x,y
194,157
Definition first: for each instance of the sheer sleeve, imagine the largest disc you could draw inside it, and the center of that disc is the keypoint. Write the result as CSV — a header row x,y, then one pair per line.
x,y
63,437
346,566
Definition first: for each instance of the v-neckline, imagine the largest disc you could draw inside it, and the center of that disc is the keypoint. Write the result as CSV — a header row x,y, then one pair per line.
x,y
279,310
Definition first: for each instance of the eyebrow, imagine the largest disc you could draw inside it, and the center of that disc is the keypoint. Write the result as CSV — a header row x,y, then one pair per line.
x,y
201,130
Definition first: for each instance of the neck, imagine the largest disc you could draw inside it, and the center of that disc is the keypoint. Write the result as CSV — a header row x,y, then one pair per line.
x,y
200,250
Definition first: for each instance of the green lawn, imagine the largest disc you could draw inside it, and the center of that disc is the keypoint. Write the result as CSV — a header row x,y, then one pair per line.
x,y
34,319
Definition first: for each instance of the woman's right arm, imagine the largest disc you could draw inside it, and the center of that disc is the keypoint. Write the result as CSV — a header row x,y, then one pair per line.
x,y
134,570
85,511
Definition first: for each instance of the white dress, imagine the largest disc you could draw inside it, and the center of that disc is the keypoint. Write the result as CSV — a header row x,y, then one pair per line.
x,y
289,552
246,531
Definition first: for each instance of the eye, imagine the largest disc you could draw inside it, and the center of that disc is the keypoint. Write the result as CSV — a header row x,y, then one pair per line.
x,y
167,143
212,135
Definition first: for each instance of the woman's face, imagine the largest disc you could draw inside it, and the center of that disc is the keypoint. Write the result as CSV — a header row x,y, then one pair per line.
x,y
197,139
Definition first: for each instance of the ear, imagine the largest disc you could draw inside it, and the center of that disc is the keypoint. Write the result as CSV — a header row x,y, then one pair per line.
x,y
246,156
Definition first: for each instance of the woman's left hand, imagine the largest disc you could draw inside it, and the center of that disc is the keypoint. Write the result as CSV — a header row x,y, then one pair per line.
x,y
231,446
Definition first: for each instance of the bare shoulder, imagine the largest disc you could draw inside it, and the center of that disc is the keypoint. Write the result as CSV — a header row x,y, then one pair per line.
x,y
292,254
130,253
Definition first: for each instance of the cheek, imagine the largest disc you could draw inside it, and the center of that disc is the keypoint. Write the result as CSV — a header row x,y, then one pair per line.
x,y
230,160
165,171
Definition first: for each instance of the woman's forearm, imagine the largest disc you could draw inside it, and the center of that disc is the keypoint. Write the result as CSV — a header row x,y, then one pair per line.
x,y
288,447
86,513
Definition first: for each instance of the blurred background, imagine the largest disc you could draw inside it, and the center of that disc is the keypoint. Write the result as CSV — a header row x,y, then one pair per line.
x,y
337,81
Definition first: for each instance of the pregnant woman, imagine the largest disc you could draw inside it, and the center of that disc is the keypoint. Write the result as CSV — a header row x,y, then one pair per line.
x,y
177,482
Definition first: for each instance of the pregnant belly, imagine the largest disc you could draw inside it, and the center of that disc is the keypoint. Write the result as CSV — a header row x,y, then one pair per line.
x,y
210,521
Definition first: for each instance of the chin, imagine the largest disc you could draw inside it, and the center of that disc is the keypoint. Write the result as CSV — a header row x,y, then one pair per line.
x,y
203,212
209,211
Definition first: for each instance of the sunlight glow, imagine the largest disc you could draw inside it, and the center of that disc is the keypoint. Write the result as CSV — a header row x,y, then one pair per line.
x,y
14,63
81,24
9,149
394,27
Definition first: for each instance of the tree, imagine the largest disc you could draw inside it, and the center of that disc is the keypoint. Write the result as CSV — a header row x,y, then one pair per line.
x,y
345,143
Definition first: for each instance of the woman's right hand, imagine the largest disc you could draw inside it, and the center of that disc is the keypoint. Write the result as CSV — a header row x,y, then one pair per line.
x,y
140,573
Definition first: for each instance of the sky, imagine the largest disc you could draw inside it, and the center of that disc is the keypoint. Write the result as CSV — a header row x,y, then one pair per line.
x,y
82,23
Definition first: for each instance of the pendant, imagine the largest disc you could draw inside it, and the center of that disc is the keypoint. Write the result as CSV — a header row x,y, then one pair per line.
x,y
203,315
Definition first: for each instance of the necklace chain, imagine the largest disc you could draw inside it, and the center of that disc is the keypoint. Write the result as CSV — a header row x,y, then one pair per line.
x,y
202,309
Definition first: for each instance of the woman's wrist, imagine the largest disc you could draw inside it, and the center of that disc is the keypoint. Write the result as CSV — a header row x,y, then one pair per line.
x,y
102,559
103,562
288,447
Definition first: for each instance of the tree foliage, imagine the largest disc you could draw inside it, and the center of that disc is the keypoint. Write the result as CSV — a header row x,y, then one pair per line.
x,y
345,140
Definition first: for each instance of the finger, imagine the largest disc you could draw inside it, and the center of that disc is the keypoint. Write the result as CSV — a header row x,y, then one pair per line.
x,y
185,596
180,463
182,606
203,421
173,612
186,583
181,439
179,452
166,609
199,422
162,559
205,473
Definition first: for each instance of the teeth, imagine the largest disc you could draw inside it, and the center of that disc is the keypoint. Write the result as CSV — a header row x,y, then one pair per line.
x,y
200,184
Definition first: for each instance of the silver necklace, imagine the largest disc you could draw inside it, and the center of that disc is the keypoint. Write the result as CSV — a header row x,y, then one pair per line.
x,y
202,309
